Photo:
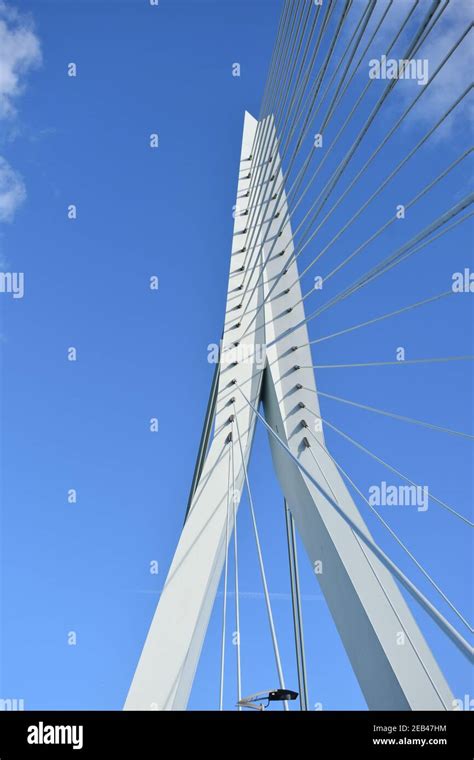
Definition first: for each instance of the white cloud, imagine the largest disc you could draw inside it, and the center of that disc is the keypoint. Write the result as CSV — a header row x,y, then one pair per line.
x,y
454,77
456,73
12,191
20,51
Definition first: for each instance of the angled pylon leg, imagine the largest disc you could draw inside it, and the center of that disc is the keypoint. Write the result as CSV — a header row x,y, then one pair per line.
x,y
165,672
389,655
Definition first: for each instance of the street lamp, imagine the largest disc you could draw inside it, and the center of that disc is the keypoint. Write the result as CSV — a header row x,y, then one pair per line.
x,y
275,695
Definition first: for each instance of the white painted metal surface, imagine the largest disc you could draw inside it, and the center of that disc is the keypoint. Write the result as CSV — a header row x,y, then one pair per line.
x,y
367,606
165,672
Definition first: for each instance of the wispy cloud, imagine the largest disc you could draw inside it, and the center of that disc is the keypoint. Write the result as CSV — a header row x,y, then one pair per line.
x,y
275,595
20,51
12,191
455,75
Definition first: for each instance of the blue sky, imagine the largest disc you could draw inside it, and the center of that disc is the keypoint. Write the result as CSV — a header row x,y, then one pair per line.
x,y
84,425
